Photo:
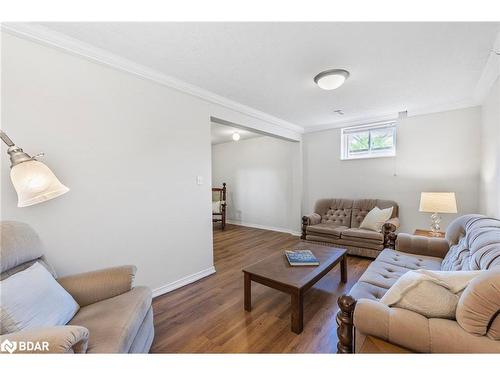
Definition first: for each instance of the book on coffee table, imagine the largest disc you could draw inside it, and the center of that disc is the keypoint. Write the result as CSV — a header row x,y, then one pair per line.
x,y
301,258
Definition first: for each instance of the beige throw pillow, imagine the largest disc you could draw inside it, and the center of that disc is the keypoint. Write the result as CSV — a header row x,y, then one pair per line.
x,y
433,294
376,218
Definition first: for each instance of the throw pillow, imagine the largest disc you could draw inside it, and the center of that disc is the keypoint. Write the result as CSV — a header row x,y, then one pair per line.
x,y
376,218
433,294
32,299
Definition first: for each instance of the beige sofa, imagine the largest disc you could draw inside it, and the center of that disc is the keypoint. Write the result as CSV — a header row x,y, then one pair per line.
x,y
336,221
114,316
472,242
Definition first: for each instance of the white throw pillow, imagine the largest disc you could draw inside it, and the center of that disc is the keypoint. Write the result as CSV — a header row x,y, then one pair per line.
x,y
33,298
433,294
376,218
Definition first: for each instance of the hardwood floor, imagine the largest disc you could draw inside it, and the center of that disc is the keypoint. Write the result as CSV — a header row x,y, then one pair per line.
x,y
208,315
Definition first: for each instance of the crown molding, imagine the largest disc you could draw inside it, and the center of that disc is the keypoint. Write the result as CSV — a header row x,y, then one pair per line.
x,y
365,120
393,116
490,73
46,36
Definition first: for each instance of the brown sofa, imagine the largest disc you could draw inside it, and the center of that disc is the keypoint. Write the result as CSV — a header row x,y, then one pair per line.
x,y
336,221
114,316
472,242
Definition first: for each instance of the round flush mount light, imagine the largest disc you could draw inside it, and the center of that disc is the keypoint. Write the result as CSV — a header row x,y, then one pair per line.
x,y
236,136
331,79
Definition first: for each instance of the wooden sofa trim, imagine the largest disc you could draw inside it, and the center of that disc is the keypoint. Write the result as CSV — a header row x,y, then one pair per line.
x,y
345,321
305,223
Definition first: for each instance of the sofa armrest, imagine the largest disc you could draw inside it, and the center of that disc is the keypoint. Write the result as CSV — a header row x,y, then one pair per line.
x,y
417,333
392,225
398,326
90,287
412,244
59,339
311,219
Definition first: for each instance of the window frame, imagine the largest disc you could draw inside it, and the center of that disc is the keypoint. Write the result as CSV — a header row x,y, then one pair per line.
x,y
370,154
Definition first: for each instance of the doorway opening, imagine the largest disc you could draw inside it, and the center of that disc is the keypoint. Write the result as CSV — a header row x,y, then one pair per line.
x,y
256,179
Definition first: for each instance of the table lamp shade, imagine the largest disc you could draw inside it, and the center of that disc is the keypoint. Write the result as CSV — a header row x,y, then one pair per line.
x,y
438,202
35,183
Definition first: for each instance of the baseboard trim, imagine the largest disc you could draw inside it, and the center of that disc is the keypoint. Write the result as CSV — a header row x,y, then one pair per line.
x,y
259,226
183,281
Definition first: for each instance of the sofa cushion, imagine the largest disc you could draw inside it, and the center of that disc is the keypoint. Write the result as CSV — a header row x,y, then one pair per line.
x,y
366,290
326,229
334,211
113,323
382,274
19,244
363,235
409,261
475,243
389,266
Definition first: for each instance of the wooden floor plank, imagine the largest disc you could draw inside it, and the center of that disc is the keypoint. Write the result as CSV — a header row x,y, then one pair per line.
x,y
208,316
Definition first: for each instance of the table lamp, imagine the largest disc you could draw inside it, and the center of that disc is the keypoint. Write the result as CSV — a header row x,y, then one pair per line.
x,y
34,181
437,203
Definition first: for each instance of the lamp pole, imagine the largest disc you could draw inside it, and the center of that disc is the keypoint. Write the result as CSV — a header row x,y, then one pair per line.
x,y
17,155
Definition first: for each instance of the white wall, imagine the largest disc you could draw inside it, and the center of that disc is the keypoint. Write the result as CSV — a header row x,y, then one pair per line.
x,y
130,150
263,181
435,152
490,153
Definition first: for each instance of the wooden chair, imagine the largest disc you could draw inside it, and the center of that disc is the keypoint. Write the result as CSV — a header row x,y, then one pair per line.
x,y
219,205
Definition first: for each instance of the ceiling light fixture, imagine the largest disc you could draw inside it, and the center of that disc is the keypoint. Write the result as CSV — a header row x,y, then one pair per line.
x,y
236,136
331,79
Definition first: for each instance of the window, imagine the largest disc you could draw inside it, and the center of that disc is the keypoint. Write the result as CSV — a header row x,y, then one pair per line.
x,y
369,141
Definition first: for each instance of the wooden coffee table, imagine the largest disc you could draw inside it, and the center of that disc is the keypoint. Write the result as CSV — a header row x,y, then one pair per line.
x,y
275,272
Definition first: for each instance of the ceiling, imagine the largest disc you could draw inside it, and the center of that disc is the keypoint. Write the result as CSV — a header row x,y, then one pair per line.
x,y
270,66
223,133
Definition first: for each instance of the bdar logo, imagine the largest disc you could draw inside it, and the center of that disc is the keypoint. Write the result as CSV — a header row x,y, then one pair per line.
x,y
8,346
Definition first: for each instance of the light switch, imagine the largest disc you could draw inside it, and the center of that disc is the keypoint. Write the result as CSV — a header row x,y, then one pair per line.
x,y
199,180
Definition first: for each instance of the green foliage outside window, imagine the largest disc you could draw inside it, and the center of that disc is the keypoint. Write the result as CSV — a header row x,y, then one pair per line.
x,y
370,141
359,142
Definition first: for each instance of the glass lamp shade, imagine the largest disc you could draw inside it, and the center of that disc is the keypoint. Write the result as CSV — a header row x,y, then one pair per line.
x,y
35,183
331,79
331,82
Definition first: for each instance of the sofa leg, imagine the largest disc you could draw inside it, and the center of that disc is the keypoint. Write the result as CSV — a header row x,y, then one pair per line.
x,y
305,222
345,319
392,241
